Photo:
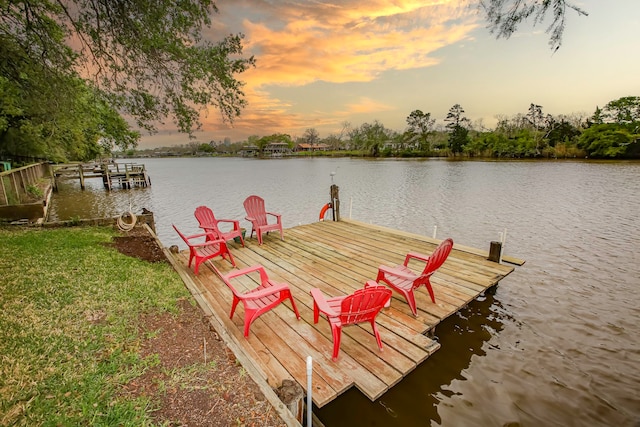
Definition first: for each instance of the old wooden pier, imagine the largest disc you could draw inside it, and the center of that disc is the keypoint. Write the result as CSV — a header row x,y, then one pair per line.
x,y
338,257
126,175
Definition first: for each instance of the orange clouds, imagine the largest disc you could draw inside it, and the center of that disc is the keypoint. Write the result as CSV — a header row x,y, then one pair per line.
x,y
350,43
367,105
297,44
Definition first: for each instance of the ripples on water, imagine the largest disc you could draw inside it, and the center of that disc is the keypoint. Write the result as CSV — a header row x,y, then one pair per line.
x,y
558,343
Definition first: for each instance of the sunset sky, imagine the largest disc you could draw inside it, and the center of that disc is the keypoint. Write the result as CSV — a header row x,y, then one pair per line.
x,y
320,64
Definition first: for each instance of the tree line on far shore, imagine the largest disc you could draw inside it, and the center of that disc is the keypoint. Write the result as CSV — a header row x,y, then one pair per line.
x,y
611,132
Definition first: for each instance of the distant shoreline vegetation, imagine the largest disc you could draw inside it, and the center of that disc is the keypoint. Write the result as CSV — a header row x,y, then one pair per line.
x,y
612,132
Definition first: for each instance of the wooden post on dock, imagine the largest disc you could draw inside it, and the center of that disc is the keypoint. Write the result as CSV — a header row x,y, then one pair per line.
x,y
147,180
81,174
106,177
127,178
292,395
495,250
335,201
54,180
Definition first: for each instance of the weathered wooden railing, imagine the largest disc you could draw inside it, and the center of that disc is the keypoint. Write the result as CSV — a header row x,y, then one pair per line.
x,y
17,186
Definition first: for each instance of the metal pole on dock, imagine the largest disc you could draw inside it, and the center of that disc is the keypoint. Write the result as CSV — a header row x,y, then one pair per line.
x,y
503,239
309,390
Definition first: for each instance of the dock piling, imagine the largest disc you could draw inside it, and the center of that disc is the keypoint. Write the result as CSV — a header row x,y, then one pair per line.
x,y
335,201
495,251
81,175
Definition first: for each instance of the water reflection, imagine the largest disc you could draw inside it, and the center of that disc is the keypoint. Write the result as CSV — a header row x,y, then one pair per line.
x,y
573,355
94,202
416,399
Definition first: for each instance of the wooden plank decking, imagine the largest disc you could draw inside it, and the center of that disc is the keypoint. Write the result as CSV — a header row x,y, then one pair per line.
x,y
338,257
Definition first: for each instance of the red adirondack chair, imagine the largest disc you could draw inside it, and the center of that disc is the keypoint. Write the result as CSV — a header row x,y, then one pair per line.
x,y
259,300
361,306
209,223
405,281
205,250
257,215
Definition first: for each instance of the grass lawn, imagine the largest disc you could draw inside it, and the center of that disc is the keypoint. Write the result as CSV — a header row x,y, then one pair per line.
x,y
69,305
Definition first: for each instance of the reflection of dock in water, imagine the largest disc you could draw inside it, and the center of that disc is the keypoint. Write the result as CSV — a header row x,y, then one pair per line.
x,y
126,175
461,336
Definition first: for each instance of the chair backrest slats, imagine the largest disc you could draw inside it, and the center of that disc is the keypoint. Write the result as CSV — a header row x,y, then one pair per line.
x,y
205,215
207,219
363,305
438,257
254,205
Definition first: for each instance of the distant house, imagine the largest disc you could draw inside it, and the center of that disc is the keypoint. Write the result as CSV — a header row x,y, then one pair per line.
x,y
276,149
249,151
310,147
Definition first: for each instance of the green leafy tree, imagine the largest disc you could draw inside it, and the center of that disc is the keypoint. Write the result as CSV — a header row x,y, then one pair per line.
x,y
457,125
561,132
505,16
623,111
458,139
420,127
524,143
145,59
489,144
499,145
371,137
54,116
609,140
206,148
597,118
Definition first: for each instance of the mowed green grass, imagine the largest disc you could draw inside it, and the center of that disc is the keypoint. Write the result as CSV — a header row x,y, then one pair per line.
x,y
69,307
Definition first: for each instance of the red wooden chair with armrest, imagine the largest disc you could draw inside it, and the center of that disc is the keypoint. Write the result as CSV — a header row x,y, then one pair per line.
x,y
209,223
260,299
205,250
257,215
361,306
402,279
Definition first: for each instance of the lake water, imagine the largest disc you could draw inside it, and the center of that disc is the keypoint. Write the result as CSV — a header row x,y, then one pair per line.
x,y
557,343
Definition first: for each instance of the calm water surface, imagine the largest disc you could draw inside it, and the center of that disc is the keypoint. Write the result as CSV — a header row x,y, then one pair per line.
x,y
557,344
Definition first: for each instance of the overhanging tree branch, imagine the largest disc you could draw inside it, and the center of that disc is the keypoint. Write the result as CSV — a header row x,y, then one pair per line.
x,y
147,56
505,16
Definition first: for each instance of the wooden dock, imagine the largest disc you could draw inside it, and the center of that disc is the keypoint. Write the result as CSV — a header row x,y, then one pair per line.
x,y
338,257
127,175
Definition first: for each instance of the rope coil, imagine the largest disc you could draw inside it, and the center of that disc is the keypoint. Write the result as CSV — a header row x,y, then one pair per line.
x,y
127,226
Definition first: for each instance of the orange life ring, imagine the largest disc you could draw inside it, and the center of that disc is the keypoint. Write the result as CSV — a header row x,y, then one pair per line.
x,y
324,210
